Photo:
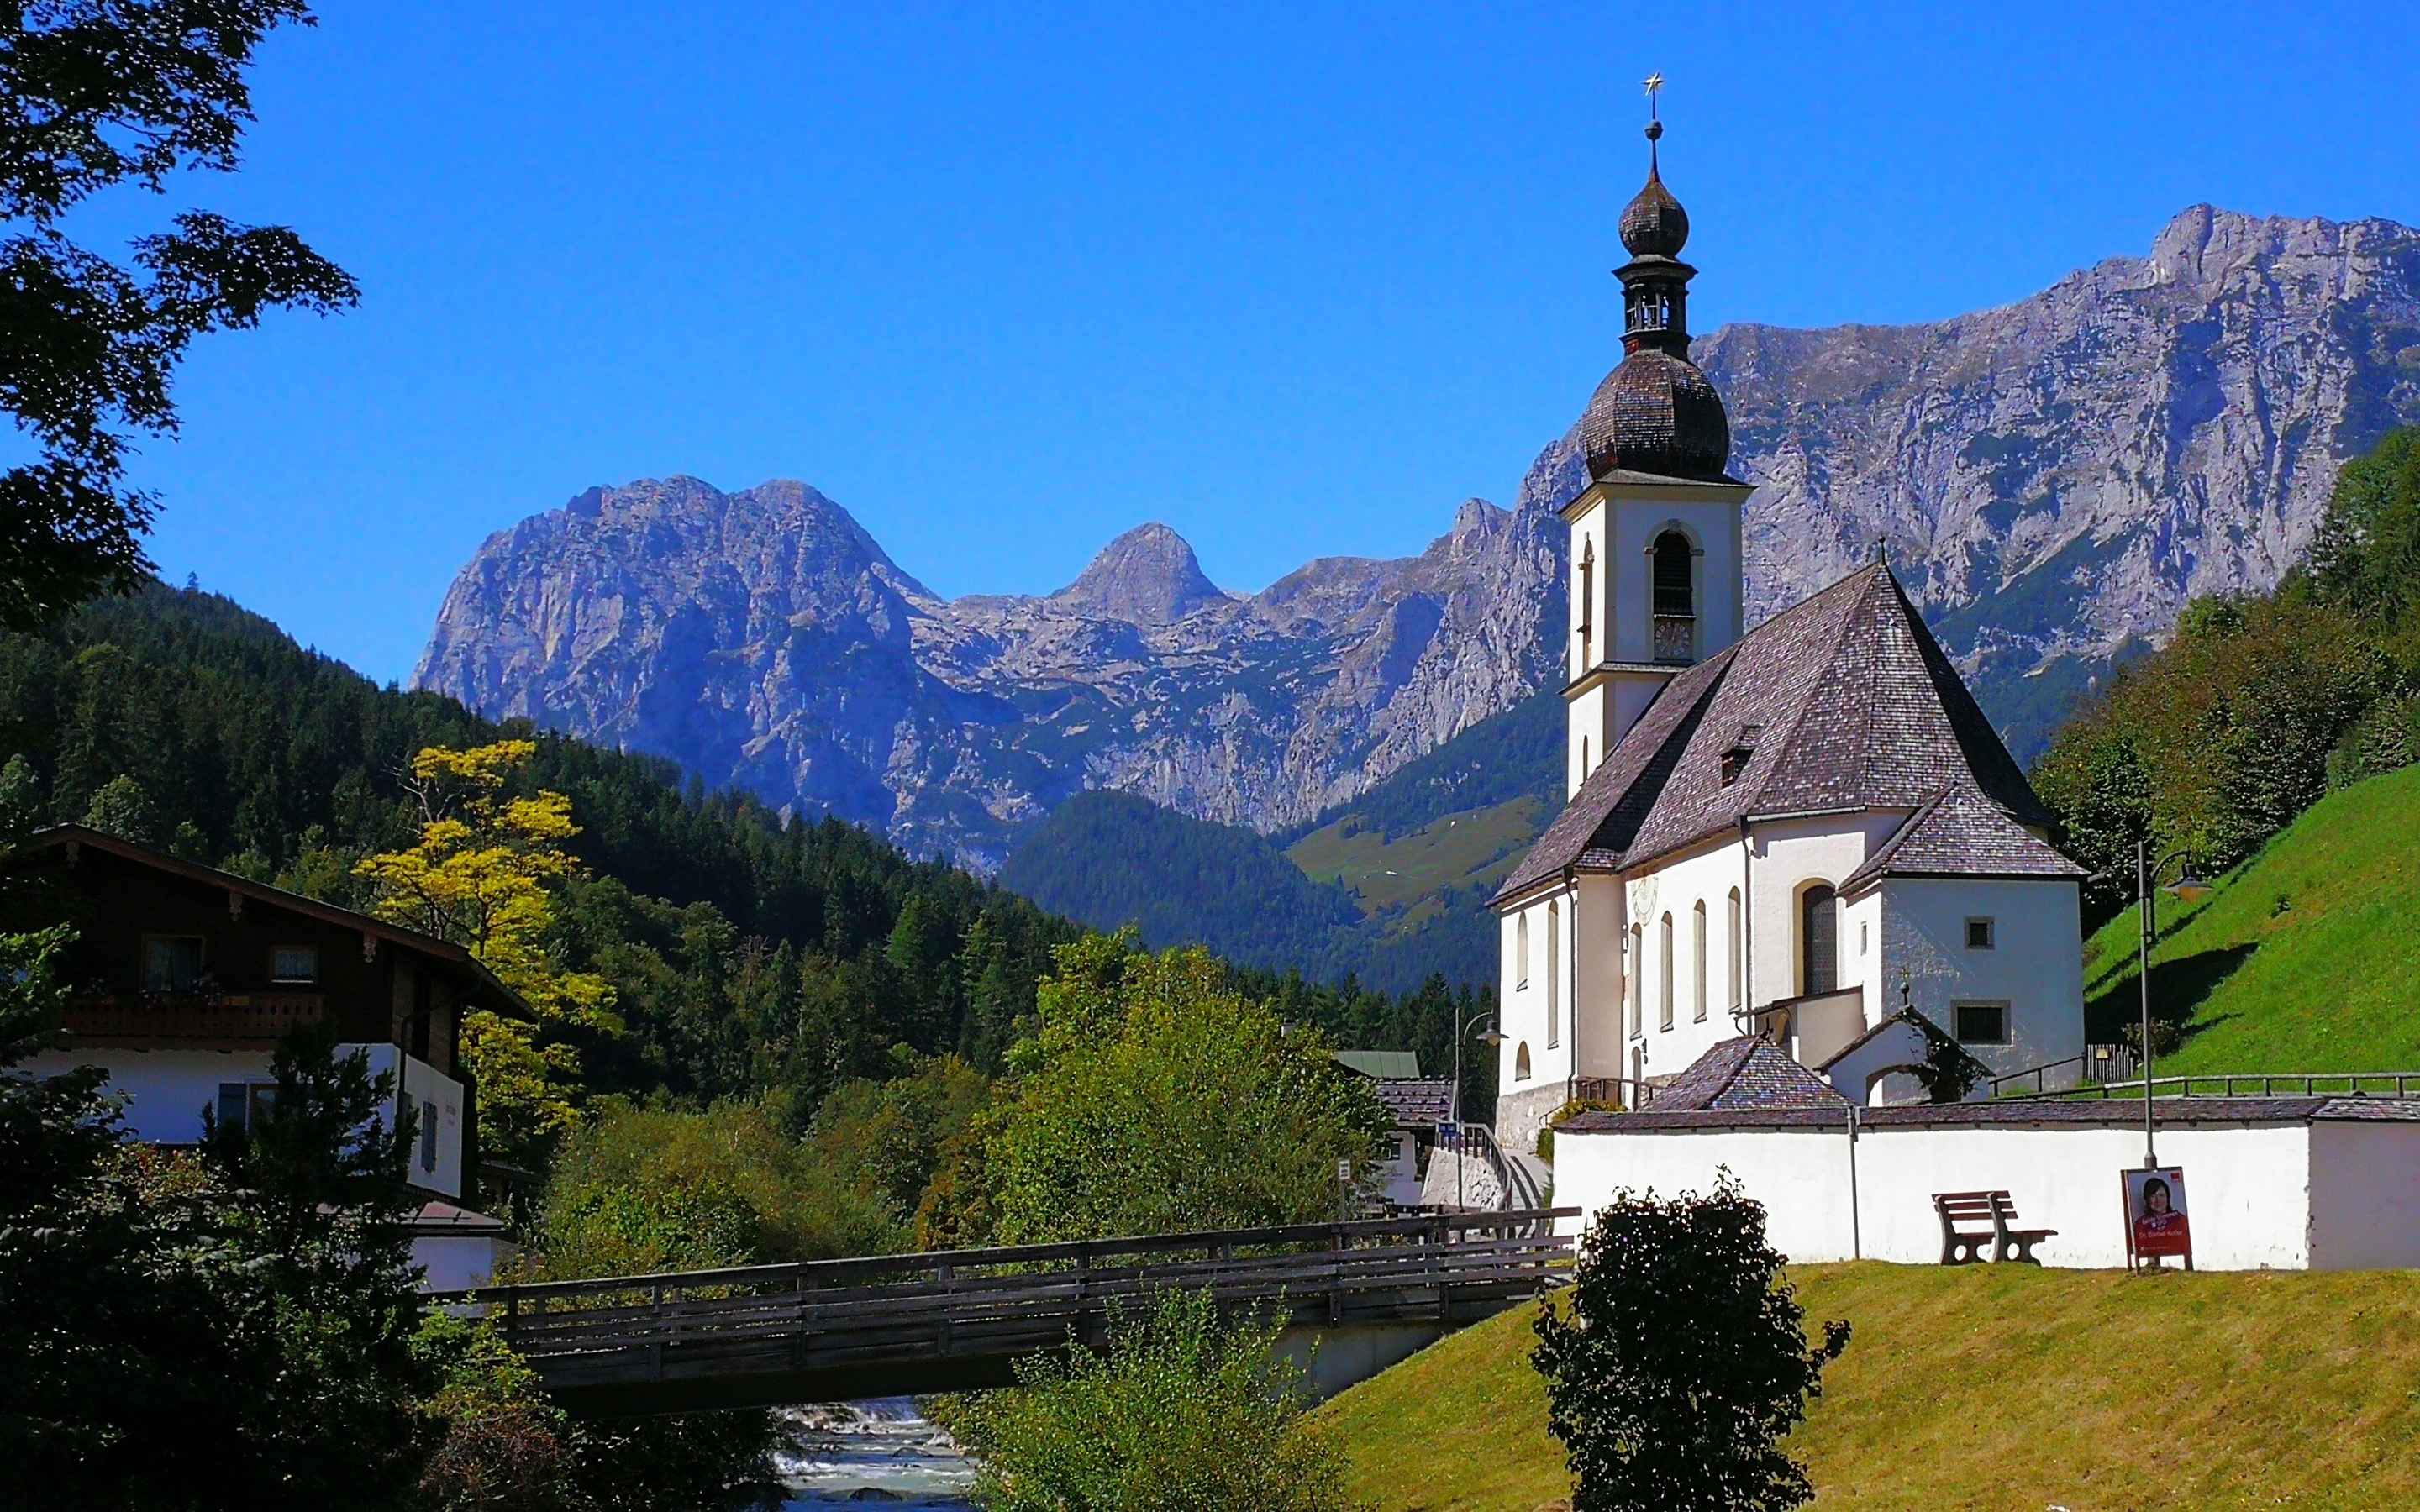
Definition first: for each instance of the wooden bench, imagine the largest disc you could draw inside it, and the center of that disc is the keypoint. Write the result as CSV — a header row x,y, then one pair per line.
x,y
1964,1245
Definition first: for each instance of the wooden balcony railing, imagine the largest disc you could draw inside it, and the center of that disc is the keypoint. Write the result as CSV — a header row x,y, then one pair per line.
x,y
242,1016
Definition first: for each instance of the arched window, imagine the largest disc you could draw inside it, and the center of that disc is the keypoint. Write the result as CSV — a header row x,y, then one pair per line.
x,y
1521,1062
1819,938
1732,956
1587,615
1676,624
1637,981
1584,767
1554,976
1521,949
1664,1007
1672,561
1697,962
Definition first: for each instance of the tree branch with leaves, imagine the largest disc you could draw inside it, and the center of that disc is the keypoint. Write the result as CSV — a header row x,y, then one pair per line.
x,y
484,876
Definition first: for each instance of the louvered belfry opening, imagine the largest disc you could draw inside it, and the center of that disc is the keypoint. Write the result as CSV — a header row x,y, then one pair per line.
x,y
1676,604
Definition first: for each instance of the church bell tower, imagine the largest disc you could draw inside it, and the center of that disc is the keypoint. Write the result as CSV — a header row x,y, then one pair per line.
x,y
1655,568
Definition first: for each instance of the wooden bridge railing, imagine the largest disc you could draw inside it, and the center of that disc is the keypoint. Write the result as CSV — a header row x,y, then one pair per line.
x,y
883,1324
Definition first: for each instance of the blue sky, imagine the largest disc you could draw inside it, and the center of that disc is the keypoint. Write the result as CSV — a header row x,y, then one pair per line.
x,y
1004,281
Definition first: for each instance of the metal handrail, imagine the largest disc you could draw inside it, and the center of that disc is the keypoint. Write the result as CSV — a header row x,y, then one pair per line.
x,y
2392,1085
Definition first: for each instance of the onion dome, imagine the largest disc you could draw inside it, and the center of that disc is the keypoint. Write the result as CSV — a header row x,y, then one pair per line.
x,y
1654,225
1656,413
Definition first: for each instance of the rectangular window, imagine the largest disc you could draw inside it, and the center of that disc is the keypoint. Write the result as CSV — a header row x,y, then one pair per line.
x,y
171,963
1982,1022
1697,962
245,1107
428,1136
1865,941
1981,934
294,962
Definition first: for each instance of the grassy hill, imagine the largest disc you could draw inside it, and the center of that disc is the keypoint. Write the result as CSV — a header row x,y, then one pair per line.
x,y
2305,958
1989,1387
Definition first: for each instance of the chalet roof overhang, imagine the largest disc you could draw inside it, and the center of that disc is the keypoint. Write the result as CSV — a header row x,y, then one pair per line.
x,y
61,837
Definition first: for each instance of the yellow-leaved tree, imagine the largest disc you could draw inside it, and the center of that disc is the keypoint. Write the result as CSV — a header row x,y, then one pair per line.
x,y
482,876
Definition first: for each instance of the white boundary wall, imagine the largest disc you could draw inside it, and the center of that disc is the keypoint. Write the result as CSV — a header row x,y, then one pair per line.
x,y
2295,1195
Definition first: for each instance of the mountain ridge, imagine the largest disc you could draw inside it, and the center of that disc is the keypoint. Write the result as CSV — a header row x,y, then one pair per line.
x,y
2053,478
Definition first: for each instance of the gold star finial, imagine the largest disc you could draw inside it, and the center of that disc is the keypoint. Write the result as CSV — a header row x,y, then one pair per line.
x,y
1655,86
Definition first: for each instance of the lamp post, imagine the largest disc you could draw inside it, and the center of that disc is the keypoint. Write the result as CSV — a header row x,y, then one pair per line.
x,y
2187,888
1484,1030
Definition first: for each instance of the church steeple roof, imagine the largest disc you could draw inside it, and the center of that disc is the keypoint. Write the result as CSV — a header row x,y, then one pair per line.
x,y
1655,414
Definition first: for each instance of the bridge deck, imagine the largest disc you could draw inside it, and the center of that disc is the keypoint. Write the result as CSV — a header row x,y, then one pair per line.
x,y
958,1319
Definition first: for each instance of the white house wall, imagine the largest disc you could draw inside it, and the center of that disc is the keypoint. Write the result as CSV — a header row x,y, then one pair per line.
x,y
165,1090
2035,965
2283,1196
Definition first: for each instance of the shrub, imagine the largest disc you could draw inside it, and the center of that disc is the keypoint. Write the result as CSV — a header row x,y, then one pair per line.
x,y
1677,1360
1179,1414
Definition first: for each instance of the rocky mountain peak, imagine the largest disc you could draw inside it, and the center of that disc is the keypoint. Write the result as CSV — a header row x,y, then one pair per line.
x,y
1148,575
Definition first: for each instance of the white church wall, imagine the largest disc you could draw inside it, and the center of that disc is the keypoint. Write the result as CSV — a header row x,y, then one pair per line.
x,y
1713,527
1708,876
1790,855
2283,1196
1535,1004
2035,963
1596,994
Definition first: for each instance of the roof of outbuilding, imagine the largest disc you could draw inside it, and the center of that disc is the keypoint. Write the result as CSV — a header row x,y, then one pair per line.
x,y
1378,1063
1750,1072
1417,1104
1843,702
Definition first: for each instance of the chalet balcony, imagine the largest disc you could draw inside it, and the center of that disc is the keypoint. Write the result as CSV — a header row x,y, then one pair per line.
x,y
1676,639
259,1018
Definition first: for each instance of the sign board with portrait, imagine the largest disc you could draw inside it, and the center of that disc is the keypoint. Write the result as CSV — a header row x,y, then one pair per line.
x,y
2156,1224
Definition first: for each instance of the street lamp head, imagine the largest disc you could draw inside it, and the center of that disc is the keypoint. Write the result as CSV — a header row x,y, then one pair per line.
x,y
2189,888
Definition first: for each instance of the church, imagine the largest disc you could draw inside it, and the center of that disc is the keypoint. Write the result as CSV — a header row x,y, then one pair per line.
x,y
1805,831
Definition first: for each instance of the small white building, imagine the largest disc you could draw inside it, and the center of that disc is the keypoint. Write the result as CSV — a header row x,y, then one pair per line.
x,y
1797,830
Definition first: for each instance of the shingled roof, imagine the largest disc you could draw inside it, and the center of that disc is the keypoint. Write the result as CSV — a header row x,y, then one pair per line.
x,y
1960,833
1749,1071
1842,702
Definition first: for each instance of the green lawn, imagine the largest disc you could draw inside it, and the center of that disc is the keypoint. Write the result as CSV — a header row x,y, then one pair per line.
x,y
1455,851
2001,1387
2307,958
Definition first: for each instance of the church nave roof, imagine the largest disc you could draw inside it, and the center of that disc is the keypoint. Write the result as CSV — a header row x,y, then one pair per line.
x,y
1840,703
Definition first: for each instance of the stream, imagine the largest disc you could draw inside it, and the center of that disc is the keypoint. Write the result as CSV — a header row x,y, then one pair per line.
x,y
876,1453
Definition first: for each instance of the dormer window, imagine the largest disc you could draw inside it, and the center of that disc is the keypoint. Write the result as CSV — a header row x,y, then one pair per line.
x,y
1735,762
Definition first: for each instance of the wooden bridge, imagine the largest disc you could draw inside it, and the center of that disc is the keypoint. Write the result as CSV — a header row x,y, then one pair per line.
x,y
1369,1293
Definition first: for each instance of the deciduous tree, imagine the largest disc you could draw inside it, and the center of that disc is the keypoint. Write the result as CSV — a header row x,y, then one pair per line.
x,y
96,94
482,876
1677,1362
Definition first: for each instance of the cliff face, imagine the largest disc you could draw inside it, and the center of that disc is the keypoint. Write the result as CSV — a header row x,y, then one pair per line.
x,y
763,639
2051,479
2055,476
